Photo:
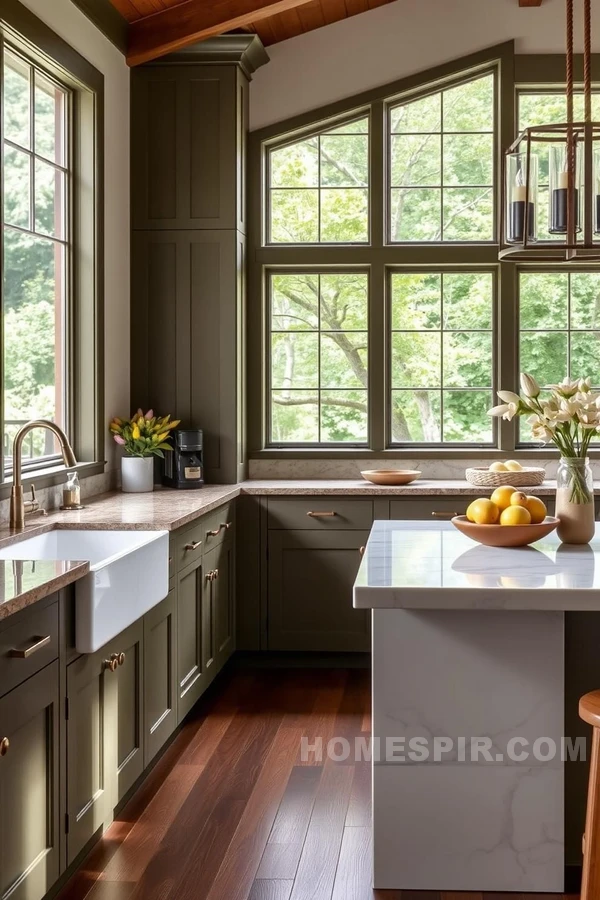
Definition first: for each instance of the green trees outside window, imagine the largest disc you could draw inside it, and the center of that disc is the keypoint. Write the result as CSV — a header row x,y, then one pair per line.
x,y
389,319
36,251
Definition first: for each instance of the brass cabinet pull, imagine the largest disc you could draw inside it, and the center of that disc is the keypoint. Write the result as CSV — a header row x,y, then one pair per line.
x,y
217,531
436,514
361,550
193,545
210,576
4,745
38,643
119,657
321,515
111,664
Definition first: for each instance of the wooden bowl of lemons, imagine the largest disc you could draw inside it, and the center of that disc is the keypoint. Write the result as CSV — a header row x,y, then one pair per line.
x,y
509,518
509,472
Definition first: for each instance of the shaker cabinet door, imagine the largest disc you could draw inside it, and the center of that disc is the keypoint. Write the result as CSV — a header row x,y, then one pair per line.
x,y
92,742
190,637
130,679
160,675
311,576
29,784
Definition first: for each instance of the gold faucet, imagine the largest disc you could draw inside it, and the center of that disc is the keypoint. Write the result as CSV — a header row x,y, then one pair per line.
x,y
19,507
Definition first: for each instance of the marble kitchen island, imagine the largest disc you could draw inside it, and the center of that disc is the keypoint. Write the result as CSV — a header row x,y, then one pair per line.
x,y
479,657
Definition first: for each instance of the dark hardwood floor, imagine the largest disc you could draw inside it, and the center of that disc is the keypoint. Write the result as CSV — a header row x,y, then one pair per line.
x,y
231,812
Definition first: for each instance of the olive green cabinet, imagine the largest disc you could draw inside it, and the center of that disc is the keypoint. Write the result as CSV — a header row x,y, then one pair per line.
x,y
310,580
29,787
219,565
130,679
160,675
193,636
92,746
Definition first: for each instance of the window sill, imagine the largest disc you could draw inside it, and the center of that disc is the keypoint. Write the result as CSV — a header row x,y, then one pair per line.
x,y
50,476
419,452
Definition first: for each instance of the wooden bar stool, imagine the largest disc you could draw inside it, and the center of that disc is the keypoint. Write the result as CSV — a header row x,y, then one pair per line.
x,y
589,711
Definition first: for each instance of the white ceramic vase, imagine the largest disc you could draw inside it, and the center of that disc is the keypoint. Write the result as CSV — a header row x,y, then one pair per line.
x,y
137,474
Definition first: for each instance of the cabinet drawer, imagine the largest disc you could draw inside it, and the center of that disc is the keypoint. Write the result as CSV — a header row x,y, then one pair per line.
x,y
218,526
189,546
411,508
319,513
28,646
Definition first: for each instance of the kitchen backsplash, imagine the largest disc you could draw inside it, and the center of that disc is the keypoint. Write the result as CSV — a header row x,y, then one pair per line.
x,y
51,498
351,468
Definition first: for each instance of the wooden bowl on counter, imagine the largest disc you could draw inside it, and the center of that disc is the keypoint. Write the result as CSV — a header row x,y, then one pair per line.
x,y
505,535
390,476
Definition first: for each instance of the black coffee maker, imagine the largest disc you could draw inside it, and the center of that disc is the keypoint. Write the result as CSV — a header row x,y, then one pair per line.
x,y
184,465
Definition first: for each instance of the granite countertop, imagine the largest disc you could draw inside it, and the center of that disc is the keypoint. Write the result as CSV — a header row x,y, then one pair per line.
x,y
431,565
23,582
169,510
423,487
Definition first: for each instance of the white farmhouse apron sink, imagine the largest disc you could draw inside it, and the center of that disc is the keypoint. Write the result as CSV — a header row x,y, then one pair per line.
x,y
129,574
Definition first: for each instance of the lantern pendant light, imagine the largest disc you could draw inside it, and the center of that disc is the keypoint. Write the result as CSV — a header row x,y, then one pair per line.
x,y
573,214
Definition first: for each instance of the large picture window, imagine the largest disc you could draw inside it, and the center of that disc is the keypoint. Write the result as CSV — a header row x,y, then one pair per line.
x,y
36,282
442,357
382,317
319,358
442,165
52,259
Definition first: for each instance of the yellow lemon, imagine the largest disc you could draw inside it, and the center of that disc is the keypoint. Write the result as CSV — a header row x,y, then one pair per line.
x,y
501,496
498,467
484,512
537,509
518,499
513,466
515,515
469,512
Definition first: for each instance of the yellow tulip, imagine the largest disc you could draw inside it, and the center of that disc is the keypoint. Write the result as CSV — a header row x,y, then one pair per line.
x,y
135,433
162,436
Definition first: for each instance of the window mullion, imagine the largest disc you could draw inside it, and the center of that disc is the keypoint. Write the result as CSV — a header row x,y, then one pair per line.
x,y
378,166
379,338
507,319
2,404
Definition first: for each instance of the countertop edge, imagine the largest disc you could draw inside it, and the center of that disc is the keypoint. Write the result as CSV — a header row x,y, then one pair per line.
x,y
78,569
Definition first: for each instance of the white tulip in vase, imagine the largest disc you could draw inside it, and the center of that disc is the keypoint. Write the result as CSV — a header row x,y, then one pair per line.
x,y
568,417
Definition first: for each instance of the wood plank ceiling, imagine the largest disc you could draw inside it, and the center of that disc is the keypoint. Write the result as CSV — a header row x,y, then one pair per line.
x,y
280,27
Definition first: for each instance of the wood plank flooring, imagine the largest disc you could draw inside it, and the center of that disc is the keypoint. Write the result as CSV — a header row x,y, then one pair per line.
x,y
231,812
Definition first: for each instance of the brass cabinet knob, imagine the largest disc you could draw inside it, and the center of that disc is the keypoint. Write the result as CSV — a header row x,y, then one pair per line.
x,y
111,664
119,657
210,576
216,574
361,550
4,745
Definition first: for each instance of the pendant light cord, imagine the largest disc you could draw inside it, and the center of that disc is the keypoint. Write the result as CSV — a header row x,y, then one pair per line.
x,y
587,59
570,161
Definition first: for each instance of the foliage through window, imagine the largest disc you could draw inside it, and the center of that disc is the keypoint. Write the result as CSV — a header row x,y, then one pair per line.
x,y
36,173
319,358
441,357
442,165
319,188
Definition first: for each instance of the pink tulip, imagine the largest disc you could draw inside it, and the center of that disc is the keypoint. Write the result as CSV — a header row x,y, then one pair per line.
x,y
149,415
119,439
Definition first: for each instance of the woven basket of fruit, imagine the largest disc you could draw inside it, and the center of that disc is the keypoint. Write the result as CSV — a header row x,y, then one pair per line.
x,y
510,472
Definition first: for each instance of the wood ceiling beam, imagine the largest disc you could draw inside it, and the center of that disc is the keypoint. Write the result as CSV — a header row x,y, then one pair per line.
x,y
195,20
530,2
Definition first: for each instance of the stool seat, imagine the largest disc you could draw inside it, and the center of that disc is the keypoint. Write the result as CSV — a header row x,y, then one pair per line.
x,y
589,708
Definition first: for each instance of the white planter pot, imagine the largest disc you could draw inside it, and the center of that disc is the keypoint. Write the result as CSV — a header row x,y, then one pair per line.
x,y
137,474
